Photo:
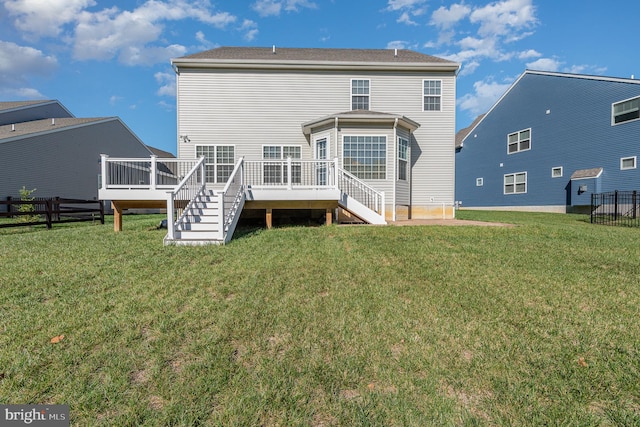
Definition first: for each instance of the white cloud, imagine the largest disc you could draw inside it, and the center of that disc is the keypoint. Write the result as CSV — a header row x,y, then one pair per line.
x,y
275,7
114,99
45,18
397,44
132,36
404,4
545,64
446,18
485,94
167,82
250,29
406,19
17,65
504,17
531,53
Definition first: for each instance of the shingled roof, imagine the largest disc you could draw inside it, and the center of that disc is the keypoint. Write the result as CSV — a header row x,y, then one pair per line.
x,y
12,105
45,125
317,54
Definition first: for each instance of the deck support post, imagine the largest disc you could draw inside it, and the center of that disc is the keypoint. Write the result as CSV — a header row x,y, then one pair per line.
x,y
269,218
117,217
328,216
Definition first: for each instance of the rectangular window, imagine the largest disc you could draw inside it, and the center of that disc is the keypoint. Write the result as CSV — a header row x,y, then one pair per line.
x,y
625,111
365,156
556,172
519,141
275,172
219,161
628,163
359,94
432,94
479,182
403,158
515,183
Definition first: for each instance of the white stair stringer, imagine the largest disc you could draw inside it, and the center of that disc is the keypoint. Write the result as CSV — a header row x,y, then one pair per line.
x,y
200,225
361,211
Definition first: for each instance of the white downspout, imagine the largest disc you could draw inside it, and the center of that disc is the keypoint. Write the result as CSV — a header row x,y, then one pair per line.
x,y
395,166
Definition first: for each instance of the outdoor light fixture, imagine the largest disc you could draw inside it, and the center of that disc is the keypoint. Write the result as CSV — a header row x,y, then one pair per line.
x,y
185,139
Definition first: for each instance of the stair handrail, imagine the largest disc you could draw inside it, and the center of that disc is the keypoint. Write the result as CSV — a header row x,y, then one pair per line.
x,y
231,198
361,191
190,186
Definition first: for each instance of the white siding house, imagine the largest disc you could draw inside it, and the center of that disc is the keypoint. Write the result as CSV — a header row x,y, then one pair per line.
x,y
366,133
256,102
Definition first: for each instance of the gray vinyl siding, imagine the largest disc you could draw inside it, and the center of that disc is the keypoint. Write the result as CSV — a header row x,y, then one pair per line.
x,y
249,109
64,163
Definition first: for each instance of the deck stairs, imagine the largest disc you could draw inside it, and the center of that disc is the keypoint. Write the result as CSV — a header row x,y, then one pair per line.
x,y
200,222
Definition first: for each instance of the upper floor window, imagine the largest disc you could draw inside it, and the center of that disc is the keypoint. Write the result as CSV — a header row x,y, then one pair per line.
x,y
403,158
219,161
628,163
519,141
515,183
432,94
365,156
625,111
360,94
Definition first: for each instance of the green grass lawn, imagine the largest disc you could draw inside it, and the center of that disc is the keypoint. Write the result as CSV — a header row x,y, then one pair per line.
x,y
536,324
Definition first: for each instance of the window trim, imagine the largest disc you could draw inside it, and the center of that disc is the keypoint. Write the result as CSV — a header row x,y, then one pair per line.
x,y
613,114
403,166
386,156
635,163
440,109
514,174
555,169
215,163
518,132
368,95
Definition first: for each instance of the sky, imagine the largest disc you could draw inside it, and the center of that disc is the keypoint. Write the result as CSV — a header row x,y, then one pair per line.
x,y
112,57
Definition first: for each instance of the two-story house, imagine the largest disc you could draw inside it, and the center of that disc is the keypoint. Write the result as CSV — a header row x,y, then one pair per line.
x,y
367,131
550,142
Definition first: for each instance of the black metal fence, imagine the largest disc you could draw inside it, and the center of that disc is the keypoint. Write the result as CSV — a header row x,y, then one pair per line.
x,y
616,208
49,211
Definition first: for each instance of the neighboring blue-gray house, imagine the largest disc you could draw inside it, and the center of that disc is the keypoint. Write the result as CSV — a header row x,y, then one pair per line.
x,y
44,147
551,141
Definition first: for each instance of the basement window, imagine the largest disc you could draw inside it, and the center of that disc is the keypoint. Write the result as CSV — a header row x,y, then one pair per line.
x,y
628,163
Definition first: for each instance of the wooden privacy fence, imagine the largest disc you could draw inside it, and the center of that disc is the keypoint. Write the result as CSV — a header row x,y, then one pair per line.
x,y
49,211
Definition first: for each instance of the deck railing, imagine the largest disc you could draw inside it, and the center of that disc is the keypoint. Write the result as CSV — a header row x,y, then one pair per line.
x,y
232,198
290,174
183,195
361,191
153,173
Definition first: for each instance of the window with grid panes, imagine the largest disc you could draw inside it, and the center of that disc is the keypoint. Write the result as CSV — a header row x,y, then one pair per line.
x,y
515,183
432,95
275,172
625,111
219,161
359,94
403,158
519,141
365,156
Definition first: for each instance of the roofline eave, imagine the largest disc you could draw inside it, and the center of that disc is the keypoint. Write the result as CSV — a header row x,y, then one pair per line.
x,y
314,65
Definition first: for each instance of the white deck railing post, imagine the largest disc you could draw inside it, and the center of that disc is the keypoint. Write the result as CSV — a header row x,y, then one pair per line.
x,y
103,170
154,172
335,173
289,181
382,214
223,220
170,217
